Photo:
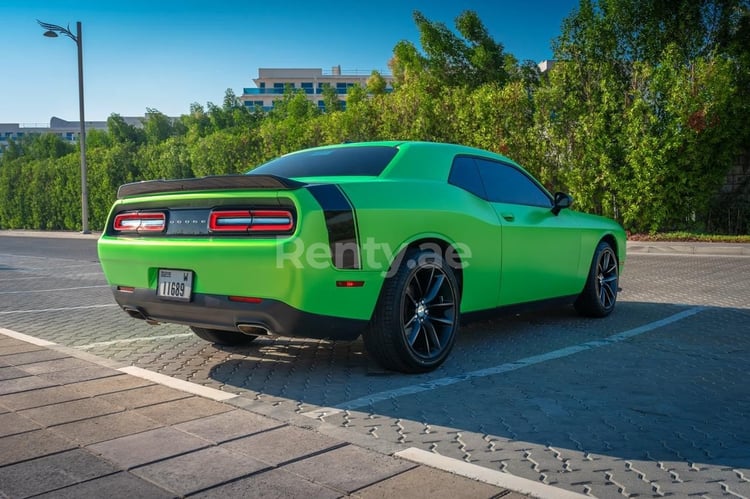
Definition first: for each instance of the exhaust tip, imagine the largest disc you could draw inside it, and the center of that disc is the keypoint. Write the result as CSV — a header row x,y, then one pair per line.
x,y
253,329
136,313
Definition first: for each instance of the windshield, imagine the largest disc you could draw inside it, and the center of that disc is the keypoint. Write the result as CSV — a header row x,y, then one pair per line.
x,y
333,162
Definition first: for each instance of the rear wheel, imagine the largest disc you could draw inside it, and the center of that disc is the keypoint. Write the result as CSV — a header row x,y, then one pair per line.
x,y
599,296
416,320
219,337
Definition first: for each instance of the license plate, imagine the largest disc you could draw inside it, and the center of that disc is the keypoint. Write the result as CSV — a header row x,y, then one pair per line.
x,y
175,284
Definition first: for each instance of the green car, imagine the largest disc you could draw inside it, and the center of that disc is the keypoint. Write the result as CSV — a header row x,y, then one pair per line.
x,y
399,242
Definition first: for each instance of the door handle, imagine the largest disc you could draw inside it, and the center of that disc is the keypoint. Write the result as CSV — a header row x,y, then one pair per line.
x,y
508,216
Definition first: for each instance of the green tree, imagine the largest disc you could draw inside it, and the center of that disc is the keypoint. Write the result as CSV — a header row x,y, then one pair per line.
x,y
157,127
471,57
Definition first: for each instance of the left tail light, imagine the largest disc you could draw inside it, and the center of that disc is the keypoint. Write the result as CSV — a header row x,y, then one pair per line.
x,y
263,221
140,222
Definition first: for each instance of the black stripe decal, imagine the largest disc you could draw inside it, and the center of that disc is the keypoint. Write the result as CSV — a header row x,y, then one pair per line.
x,y
341,223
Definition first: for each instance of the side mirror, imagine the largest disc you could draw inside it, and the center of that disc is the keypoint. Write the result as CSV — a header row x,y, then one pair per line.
x,y
562,200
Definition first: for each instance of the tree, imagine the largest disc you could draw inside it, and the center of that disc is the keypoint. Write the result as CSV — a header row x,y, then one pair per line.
x,y
157,126
376,84
122,132
471,59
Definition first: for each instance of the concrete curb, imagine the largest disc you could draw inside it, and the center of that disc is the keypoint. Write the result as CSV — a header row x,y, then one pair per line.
x,y
688,248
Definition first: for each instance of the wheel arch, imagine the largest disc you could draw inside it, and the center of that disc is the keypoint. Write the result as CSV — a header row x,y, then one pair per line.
x,y
429,242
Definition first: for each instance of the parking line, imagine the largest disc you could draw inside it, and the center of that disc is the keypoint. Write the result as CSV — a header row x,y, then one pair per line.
x,y
133,340
508,367
51,290
63,309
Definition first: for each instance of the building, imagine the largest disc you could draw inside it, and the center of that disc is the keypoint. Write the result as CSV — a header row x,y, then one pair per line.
x,y
271,83
66,130
546,65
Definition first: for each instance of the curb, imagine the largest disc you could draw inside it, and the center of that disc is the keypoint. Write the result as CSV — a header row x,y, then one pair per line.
x,y
688,248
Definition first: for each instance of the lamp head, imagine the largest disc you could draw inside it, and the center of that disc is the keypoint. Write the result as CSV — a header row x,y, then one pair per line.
x,y
50,34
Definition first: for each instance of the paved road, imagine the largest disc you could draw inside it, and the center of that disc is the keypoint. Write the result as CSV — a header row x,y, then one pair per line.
x,y
651,401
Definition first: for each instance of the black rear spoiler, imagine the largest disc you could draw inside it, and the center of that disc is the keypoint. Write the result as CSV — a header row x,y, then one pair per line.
x,y
212,183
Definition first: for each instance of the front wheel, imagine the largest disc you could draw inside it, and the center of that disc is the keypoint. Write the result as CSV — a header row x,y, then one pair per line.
x,y
226,338
417,316
600,293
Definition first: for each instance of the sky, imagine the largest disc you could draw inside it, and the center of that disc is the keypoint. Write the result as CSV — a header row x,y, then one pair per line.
x,y
165,55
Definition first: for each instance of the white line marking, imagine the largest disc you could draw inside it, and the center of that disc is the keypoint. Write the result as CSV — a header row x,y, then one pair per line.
x,y
25,337
26,278
51,290
56,267
133,340
185,386
39,310
486,475
512,366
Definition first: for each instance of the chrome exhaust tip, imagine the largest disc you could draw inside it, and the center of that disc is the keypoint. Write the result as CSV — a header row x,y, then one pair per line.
x,y
253,329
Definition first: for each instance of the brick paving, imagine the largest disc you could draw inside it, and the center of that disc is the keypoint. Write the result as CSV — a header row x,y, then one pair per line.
x,y
663,413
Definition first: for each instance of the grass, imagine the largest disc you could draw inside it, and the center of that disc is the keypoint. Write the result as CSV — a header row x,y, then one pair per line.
x,y
689,237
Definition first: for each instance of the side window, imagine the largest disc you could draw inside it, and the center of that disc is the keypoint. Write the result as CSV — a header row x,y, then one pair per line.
x,y
506,184
464,174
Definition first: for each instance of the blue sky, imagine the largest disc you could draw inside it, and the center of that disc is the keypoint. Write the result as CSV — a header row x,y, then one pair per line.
x,y
167,54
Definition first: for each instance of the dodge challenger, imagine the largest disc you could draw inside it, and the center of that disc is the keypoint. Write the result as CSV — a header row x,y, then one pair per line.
x,y
397,242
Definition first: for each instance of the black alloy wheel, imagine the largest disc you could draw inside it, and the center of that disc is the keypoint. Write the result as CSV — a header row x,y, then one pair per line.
x,y
417,317
599,296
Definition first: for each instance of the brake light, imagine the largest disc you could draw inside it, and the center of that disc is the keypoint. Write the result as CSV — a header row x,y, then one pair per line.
x,y
140,222
251,221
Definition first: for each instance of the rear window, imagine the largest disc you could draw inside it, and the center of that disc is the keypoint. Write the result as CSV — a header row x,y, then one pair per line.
x,y
342,161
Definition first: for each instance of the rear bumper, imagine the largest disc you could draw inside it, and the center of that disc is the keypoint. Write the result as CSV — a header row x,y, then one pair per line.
x,y
218,312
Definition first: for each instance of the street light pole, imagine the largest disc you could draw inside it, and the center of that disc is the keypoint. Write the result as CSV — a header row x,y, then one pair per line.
x,y
52,31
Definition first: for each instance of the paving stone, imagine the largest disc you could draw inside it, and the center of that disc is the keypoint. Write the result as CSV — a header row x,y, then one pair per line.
x,y
49,366
11,372
179,411
427,482
51,472
16,385
30,356
66,412
11,423
272,484
80,374
228,425
348,468
99,429
146,447
144,396
41,397
282,445
118,486
199,470
109,384
17,448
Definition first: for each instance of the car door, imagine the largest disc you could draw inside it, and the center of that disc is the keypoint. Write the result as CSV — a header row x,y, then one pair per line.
x,y
540,250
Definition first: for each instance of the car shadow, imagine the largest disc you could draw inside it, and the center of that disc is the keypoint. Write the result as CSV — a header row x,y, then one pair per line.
x,y
676,392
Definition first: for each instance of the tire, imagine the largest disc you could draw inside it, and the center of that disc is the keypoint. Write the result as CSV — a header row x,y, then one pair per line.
x,y
227,338
417,318
599,295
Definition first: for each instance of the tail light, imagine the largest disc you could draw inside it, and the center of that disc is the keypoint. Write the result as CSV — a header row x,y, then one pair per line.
x,y
251,221
140,222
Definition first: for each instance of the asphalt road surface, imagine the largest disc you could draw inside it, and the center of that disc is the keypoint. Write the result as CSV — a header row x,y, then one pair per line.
x,y
651,401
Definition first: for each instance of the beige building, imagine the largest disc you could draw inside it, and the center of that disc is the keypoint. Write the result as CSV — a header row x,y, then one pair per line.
x,y
271,82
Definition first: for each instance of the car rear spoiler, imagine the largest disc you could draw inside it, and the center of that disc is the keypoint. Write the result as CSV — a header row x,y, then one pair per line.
x,y
216,182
